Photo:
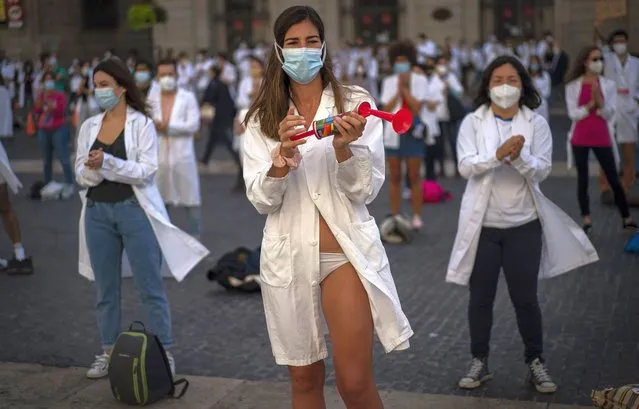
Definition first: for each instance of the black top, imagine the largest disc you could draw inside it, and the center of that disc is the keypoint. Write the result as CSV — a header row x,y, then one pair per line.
x,y
218,95
107,190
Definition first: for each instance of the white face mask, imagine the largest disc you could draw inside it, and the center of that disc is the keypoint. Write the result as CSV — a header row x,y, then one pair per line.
x,y
168,83
505,96
442,70
620,48
596,67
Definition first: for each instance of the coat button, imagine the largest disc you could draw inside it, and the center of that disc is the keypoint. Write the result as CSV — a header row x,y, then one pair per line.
x,y
314,283
315,196
313,243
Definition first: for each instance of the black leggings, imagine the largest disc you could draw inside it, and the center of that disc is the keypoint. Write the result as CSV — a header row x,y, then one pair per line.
x,y
607,162
517,251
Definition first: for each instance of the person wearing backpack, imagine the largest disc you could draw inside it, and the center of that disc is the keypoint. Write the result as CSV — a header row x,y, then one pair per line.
x,y
123,212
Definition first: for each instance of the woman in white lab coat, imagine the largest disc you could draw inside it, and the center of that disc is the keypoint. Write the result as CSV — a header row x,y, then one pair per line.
x,y
591,101
541,80
177,118
250,84
505,221
122,210
6,111
321,251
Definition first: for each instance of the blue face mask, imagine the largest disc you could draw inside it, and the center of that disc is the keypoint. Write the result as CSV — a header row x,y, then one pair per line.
x,y
142,77
49,85
302,64
401,67
106,98
534,67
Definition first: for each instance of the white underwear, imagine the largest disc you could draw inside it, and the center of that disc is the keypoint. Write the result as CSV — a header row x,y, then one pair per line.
x,y
330,262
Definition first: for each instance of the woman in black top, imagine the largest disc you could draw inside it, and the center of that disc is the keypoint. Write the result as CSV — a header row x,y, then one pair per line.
x,y
117,160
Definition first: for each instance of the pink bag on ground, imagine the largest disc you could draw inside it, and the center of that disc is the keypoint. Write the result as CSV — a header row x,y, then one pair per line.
x,y
433,192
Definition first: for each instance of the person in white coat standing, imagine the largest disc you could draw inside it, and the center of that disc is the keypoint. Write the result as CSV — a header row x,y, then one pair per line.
x,y
623,69
123,212
322,256
176,114
505,222
591,101
543,84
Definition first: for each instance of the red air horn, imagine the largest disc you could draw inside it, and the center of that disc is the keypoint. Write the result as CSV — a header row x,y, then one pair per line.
x,y
401,121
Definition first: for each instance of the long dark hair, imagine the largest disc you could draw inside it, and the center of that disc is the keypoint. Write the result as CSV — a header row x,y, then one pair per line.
x,y
579,66
272,101
122,76
529,95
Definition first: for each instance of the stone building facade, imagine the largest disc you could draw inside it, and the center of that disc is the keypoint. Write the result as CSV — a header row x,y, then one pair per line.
x,y
219,25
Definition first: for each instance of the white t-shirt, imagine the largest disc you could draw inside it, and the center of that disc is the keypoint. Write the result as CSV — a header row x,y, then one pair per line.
x,y
511,203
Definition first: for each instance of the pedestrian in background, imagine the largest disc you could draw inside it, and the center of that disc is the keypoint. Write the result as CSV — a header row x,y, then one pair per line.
x,y
505,221
591,101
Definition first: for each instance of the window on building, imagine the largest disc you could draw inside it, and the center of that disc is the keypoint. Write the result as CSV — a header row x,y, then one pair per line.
x,y
100,14
376,20
239,22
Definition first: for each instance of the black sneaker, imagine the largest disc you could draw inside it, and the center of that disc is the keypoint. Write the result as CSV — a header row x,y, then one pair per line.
x,y
587,229
477,374
540,378
20,267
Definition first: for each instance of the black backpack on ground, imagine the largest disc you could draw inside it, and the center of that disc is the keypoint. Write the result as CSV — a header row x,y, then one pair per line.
x,y
238,270
139,370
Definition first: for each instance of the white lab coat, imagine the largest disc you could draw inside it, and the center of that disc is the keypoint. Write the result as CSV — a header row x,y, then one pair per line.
x,y
177,177
289,265
181,252
625,77
422,91
6,172
544,86
186,74
6,113
565,245
577,113
244,90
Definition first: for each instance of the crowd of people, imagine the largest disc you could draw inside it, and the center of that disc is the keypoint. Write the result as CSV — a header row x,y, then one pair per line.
x,y
132,124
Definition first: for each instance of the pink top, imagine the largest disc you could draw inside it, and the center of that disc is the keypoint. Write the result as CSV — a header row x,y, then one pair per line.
x,y
50,106
593,129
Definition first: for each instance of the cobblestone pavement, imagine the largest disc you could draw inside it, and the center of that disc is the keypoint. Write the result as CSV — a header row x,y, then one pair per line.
x,y
592,339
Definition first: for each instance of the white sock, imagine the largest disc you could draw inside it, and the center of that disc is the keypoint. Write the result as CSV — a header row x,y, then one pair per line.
x,y
19,251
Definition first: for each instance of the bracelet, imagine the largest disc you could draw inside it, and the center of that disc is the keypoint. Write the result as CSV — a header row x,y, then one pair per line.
x,y
280,161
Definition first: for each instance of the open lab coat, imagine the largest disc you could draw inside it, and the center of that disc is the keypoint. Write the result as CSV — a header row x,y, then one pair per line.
x,y
576,113
565,245
177,177
290,254
625,77
180,251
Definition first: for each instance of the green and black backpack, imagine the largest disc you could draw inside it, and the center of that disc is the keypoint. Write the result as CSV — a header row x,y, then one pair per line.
x,y
139,370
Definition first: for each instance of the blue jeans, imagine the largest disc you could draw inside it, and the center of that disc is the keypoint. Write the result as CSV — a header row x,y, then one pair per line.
x,y
55,140
110,229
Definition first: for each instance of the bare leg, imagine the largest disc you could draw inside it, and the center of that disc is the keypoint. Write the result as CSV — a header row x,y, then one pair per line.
x,y
307,386
395,168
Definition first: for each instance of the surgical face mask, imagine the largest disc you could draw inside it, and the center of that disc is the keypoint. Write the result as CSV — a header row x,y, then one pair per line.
x,y
505,96
361,70
49,85
596,66
106,98
534,67
620,48
168,83
53,61
401,67
142,77
302,64
442,69
85,71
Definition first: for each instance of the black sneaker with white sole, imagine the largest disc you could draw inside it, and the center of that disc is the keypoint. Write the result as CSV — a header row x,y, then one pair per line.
x,y
540,377
19,267
477,374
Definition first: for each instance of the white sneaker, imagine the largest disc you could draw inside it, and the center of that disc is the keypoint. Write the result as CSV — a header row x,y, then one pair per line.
x,y
169,357
417,222
67,192
99,367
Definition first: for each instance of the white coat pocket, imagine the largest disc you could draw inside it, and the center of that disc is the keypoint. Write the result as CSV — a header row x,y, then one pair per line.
x,y
366,237
276,260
